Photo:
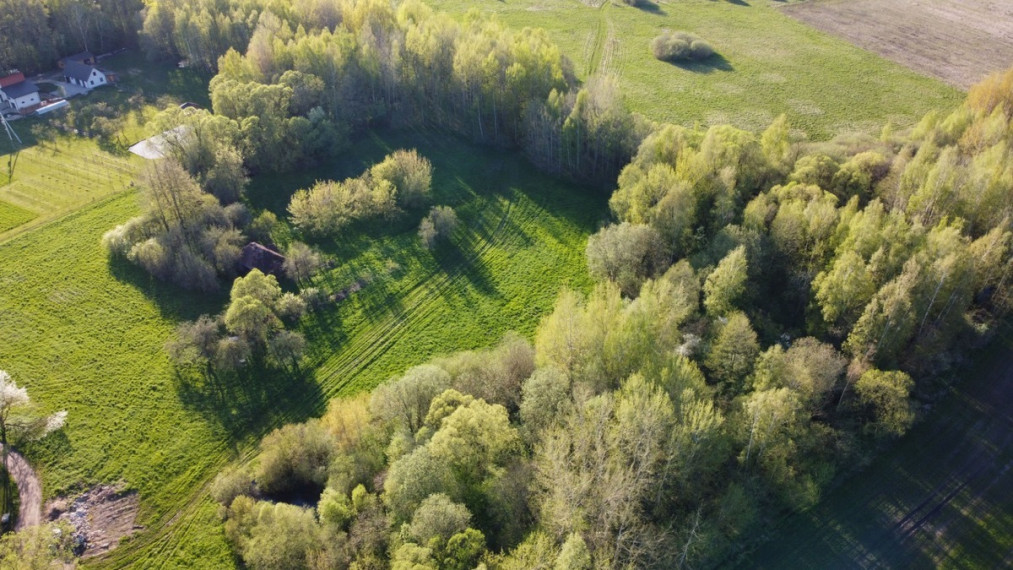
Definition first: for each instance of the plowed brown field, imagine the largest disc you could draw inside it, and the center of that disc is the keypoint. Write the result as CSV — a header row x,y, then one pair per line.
x,y
957,41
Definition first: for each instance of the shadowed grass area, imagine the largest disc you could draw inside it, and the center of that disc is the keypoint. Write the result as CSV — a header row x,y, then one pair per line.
x,y
941,497
521,237
772,64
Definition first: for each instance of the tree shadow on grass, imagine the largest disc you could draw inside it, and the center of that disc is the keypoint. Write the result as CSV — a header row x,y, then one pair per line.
x,y
716,62
461,259
172,301
249,402
650,8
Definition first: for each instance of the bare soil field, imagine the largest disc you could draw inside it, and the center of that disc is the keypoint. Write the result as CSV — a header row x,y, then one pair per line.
x,y
957,41
100,517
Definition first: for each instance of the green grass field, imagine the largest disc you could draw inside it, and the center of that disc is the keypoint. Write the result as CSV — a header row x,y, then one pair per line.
x,y
942,497
769,64
12,216
87,334
60,177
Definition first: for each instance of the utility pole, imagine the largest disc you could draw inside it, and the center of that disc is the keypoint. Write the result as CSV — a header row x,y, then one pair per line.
x,y
15,144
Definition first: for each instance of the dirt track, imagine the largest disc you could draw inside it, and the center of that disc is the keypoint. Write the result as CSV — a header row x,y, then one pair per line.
x,y
29,490
957,41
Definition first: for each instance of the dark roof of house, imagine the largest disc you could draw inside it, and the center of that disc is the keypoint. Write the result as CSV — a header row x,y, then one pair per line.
x,y
77,70
20,89
79,57
256,256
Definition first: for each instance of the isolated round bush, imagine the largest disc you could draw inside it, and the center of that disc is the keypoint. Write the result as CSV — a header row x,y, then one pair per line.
x,y
680,46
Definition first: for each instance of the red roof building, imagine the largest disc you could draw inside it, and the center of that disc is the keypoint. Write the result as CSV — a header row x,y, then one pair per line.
x,y
12,79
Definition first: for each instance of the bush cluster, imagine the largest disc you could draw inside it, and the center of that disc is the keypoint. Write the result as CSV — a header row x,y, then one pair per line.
x,y
403,179
680,46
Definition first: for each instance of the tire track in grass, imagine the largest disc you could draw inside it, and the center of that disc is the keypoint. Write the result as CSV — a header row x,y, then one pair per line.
x,y
424,296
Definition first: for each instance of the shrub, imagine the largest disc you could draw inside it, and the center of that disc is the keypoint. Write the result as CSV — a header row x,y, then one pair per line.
x,y
293,458
231,484
680,46
439,224
403,179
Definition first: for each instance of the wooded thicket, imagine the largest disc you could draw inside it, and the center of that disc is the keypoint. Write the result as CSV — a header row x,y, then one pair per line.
x,y
35,33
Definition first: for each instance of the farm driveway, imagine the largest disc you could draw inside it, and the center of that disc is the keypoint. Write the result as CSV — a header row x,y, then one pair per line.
x,y
29,490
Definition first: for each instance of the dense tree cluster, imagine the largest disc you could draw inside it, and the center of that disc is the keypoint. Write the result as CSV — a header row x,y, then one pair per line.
x,y
294,80
34,33
185,236
766,312
192,230
402,179
894,248
251,330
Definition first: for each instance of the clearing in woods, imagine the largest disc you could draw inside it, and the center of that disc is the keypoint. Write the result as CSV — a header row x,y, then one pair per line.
x,y
941,497
957,41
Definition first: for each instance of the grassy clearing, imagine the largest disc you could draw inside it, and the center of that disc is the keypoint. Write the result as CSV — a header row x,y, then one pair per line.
x,y
941,498
86,334
522,238
769,64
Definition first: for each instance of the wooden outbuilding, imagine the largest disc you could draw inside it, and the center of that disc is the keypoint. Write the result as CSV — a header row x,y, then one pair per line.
x,y
257,256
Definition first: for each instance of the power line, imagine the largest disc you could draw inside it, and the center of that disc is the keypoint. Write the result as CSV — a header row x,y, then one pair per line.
x,y
16,144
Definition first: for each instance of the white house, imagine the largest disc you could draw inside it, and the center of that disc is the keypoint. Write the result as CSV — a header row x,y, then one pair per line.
x,y
87,76
18,93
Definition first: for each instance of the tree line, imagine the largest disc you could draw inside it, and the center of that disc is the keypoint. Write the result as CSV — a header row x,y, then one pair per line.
x,y
297,80
35,33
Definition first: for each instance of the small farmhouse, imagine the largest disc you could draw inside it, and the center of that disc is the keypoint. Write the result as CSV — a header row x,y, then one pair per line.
x,y
18,93
87,76
256,256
